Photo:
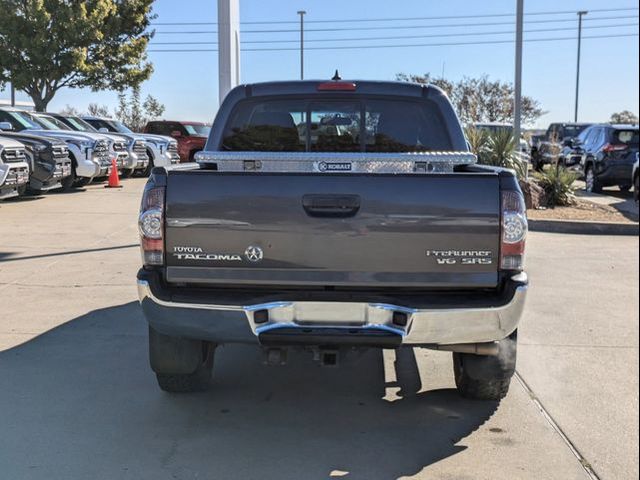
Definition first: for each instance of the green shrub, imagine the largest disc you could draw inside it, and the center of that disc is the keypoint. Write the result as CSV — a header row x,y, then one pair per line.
x,y
557,183
498,148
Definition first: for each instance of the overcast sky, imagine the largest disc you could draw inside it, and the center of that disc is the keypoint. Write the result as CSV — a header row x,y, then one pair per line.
x,y
187,82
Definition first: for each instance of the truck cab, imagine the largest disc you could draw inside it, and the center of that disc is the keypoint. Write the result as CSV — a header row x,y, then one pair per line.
x,y
191,136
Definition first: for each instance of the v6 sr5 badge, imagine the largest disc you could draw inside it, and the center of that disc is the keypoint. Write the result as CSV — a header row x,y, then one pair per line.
x,y
461,257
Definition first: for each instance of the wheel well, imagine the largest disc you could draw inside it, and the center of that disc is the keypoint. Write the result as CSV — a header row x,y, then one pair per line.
x,y
193,152
74,162
151,157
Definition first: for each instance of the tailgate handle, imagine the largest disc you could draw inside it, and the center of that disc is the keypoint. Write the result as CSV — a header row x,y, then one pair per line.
x,y
331,205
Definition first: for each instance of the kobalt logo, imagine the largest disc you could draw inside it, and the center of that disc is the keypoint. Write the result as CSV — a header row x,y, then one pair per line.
x,y
334,167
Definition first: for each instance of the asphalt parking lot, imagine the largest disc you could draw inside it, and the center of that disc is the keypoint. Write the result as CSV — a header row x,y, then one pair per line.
x,y
78,401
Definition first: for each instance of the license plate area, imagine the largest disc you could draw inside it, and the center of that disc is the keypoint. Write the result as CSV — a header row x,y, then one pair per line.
x,y
321,314
340,316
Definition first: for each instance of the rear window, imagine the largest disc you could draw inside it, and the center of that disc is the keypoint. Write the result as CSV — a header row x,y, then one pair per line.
x,y
202,130
629,137
336,125
572,131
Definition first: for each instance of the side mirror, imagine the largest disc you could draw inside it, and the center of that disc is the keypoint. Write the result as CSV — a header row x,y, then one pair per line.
x,y
176,134
6,126
103,130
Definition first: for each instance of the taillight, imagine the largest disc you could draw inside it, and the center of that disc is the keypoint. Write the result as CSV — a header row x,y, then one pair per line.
x,y
618,147
151,225
514,231
337,86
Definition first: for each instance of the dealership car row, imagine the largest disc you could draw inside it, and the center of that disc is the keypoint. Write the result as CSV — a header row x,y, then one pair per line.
x,y
46,151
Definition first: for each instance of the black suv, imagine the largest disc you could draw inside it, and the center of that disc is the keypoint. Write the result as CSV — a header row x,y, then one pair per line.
x,y
608,153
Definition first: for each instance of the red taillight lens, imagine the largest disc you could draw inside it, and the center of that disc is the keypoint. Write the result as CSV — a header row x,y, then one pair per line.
x,y
337,86
618,147
514,231
151,225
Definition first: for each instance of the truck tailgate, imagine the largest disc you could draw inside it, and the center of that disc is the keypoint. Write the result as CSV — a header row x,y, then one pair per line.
x,y
420,231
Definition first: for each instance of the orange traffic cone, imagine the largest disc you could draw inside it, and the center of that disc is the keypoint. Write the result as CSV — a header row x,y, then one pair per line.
x,y
114,180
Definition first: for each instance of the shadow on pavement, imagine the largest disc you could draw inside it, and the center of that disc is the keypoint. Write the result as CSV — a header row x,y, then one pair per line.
x,y
80,402
10,257
623,202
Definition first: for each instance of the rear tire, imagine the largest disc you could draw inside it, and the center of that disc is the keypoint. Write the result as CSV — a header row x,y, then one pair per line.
x,y
483,377
538,166
592,184
181,365
68,183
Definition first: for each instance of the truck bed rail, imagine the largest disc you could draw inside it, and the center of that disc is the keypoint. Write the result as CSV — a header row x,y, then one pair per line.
x,y
329,162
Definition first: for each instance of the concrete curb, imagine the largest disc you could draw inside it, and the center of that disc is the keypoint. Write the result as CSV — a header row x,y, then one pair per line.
x,y
578,227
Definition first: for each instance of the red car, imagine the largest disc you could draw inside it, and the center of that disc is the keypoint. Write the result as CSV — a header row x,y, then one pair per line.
x,y
191,136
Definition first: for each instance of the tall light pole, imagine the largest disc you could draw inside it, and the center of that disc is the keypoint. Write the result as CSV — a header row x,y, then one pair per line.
x,y
228,46
517,107
580,14
301,13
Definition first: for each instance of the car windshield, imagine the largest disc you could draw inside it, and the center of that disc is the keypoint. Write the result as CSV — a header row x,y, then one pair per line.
x,y
40,122
197,129
24,120
325,125
120,127
80,125
57,124
573,131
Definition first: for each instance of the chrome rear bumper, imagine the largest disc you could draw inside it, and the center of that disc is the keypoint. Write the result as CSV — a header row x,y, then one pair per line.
x,y
411,326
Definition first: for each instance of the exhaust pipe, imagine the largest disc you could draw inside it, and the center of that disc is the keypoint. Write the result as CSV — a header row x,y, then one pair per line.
x,y
488,348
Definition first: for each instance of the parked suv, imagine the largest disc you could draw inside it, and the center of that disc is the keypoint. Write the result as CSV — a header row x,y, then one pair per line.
x,y
49,162
162,150
137,160
191,136
89,156
14,170
547,148
608,153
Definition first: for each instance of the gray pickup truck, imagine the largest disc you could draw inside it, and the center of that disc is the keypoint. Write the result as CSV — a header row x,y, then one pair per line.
x,y
333,216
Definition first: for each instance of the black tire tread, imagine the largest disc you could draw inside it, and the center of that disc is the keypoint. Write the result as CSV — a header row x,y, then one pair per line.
x,y
486,377
198,381
495,389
